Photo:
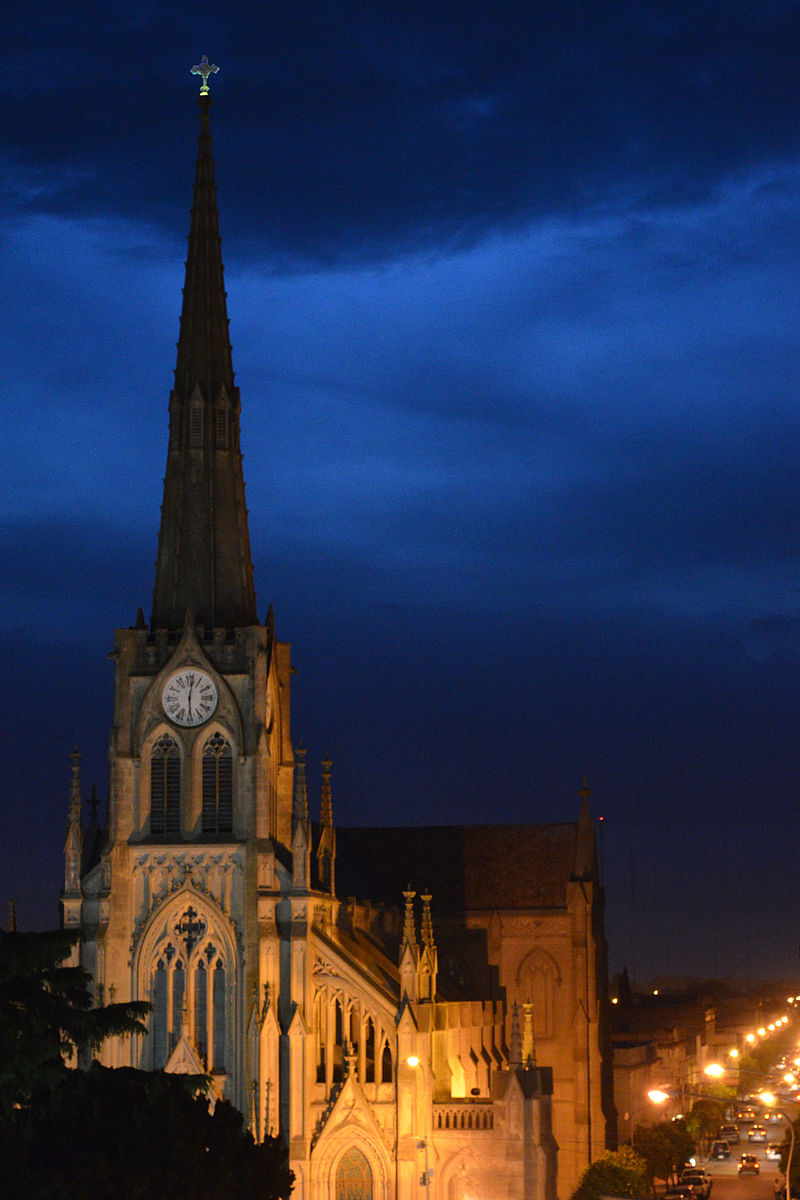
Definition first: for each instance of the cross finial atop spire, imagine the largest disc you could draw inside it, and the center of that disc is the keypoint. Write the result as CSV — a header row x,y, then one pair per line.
x,y
204,68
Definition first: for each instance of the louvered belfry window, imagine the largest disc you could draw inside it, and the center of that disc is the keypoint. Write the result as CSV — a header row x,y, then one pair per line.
x,y
165,788
217,786
222,429
196,424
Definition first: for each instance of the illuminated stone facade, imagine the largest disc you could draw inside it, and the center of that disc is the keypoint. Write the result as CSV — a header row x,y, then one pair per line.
x,y
445,1044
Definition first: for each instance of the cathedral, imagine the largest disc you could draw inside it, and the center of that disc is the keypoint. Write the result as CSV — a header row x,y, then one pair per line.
x,y
417,1012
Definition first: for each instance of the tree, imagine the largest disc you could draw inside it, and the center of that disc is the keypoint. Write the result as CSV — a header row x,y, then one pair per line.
x,y
618,1173
665,1147
137,1135
47,1014
118,1134
705,1118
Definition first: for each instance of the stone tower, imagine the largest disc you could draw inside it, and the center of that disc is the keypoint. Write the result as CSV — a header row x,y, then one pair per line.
x,y
200,755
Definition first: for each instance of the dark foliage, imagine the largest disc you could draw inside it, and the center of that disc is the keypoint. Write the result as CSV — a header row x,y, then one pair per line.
x,y
136,1135
47,1014
109,1134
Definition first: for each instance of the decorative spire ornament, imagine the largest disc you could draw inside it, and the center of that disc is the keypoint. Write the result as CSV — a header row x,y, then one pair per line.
x,y
204,68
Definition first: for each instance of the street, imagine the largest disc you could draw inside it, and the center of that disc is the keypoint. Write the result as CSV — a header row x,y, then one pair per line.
x,y
729,1185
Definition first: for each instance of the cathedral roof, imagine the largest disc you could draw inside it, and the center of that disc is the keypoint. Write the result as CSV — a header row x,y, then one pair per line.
x,y
466,867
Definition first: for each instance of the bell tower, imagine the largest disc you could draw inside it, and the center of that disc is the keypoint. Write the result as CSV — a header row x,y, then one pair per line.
x,y
201,763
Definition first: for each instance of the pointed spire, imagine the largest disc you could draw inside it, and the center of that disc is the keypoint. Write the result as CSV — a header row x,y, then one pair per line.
x,y
426,931
300,810
73,845
74,812
204,561
92,838
326,813
428,959
301,828
528,1043
409,926
326,850
409,952
515,1040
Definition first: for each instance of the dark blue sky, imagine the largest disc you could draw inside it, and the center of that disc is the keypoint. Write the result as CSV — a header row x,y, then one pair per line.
x,y
513,294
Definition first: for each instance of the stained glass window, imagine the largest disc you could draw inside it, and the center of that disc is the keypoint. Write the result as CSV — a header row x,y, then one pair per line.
x,y
353,1176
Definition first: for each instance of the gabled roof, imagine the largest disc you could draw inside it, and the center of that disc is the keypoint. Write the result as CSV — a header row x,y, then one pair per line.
x,y
466,867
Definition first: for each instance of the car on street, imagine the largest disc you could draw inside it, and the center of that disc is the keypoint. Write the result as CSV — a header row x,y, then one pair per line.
x,y
749,1165
773,1150
698,1180
745,1113
679,1191
729,1133
757,1133
720,1149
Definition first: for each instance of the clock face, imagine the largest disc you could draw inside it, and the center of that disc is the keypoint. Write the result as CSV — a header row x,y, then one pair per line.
x,y
189,697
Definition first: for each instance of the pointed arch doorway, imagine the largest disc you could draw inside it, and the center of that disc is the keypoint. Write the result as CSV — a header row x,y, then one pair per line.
x,y
353,1177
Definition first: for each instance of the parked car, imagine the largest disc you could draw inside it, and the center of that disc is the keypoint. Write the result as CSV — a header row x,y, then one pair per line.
x,y
720,1149
757,1133
679,1191
698,1180
749,1165
729,1133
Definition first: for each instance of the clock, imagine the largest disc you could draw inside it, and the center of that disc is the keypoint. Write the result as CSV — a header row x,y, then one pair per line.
x,y
189,697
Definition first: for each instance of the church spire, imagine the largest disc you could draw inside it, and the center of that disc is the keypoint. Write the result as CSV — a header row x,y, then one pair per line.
x,y
73,845
326,848
204,561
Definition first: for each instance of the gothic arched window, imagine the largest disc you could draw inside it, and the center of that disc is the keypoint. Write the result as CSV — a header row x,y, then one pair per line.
x,y
217,786
353,1176
190,981
159,1015
386,1064
338,1048
219,1017
165,788
369,1052
201,1009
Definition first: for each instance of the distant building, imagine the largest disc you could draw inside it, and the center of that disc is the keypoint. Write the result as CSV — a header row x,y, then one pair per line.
x,y
416,1011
